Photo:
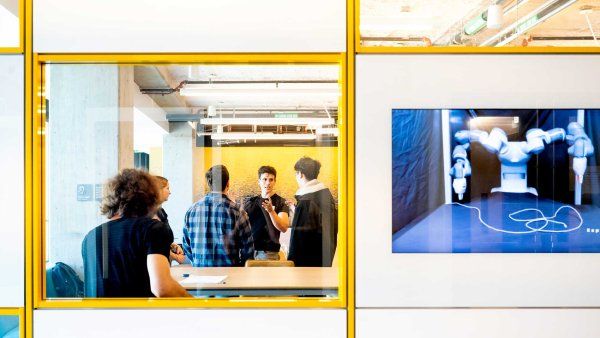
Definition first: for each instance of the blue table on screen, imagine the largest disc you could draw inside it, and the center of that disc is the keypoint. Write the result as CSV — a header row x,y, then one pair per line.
x,y
452,228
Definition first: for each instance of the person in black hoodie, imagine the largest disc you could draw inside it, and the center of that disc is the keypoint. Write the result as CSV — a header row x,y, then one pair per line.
x,y
315,224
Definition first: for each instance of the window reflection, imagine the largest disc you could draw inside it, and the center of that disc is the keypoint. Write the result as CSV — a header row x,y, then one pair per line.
x,y
479,23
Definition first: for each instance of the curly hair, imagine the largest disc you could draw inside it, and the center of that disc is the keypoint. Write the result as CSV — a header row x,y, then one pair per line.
x,y
131,193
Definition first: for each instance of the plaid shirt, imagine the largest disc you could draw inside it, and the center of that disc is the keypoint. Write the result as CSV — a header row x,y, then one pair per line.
x,y
217,233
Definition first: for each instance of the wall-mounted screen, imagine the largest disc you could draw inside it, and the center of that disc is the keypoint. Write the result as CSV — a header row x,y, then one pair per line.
x,y
495,181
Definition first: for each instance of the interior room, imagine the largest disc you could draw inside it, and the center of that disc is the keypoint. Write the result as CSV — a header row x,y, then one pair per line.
x,y
411,23
177,121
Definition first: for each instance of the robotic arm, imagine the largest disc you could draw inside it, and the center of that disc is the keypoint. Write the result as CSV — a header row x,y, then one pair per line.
x,y
493,142
580,148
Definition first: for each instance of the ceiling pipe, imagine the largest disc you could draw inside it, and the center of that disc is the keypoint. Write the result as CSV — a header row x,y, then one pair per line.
x,y
534,18
167,91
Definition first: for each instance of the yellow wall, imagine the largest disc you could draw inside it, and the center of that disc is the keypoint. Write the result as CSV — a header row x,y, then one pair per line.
x,y
243,164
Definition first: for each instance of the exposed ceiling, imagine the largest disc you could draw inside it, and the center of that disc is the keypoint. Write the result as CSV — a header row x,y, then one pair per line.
x,y
156,77
420,23
276,104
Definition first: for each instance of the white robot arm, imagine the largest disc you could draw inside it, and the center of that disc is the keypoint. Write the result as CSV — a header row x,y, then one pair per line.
x,y
513,156
580,148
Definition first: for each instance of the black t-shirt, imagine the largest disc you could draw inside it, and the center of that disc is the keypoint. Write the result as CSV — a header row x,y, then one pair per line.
x,y
115,256
264,233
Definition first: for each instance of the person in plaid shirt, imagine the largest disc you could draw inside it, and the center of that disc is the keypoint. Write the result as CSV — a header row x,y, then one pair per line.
x,y
217,232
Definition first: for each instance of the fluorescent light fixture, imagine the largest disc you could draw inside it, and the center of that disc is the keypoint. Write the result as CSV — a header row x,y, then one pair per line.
x,y
328,131
267,121
262,136
237,92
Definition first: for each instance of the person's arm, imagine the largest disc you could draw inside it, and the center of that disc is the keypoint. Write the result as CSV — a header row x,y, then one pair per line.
x,y
187,245
161,282
243,232
281,220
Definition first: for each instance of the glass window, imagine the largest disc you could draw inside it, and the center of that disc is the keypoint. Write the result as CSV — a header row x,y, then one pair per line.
x,y
479,23
10,32
9,326
495,181
226,175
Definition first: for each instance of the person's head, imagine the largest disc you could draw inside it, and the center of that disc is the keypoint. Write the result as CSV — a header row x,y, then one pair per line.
x,y
165,190
217,178
306,169
267,176
131,193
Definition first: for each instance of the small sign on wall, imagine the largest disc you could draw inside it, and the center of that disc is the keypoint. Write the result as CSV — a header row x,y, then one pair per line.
x,y
98,192
84,192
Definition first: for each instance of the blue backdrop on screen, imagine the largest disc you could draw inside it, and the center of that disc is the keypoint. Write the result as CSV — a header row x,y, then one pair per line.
x,y
423,221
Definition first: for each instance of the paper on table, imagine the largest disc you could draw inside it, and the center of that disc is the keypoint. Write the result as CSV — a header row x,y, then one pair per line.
x,y
203,280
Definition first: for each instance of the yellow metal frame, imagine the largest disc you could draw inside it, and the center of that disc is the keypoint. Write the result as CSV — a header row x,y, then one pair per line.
x,y
20,312
350,49
20,48
360,49
35,182
27,44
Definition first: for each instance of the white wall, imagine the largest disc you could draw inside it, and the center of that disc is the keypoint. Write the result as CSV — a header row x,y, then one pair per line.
x,y
469,323
189,26
12,243
385,82
82,149
232,323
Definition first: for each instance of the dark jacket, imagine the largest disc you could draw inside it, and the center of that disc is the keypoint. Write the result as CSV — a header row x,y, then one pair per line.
x,y
314,228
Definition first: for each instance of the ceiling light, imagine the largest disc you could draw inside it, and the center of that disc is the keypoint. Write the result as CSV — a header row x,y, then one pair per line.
x,y
495,16
262,136
534,18
268,121
219,92
328,131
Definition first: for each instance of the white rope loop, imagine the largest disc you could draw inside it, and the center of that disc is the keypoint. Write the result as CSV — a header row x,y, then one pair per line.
x,y
529,221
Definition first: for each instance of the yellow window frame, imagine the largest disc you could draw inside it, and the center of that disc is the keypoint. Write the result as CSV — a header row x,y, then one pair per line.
x,y
35,182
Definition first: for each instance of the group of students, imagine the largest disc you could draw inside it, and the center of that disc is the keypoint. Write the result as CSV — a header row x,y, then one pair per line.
x,y
130,255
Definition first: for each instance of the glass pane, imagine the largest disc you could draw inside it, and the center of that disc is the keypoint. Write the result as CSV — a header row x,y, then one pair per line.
x,y
236,184
9,326
495,181
9,23
479,23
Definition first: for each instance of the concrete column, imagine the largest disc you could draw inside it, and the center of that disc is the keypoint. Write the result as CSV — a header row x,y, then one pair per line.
x,y
89,140
179,169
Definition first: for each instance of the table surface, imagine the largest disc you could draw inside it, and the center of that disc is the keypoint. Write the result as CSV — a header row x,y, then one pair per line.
x,y
243,278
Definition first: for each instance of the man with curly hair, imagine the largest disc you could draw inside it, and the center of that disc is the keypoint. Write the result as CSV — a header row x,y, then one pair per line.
x,y
128,256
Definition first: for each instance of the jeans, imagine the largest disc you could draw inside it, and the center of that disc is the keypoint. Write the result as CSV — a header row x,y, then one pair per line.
x,y
266,255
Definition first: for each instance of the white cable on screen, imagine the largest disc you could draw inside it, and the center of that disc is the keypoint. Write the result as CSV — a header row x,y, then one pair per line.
x,y
528,221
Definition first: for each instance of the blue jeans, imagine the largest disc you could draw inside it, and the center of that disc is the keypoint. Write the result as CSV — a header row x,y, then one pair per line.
x,y
266,255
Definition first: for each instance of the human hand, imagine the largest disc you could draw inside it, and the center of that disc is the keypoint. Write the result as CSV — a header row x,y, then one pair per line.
x,y
268,205
177,253
291,204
